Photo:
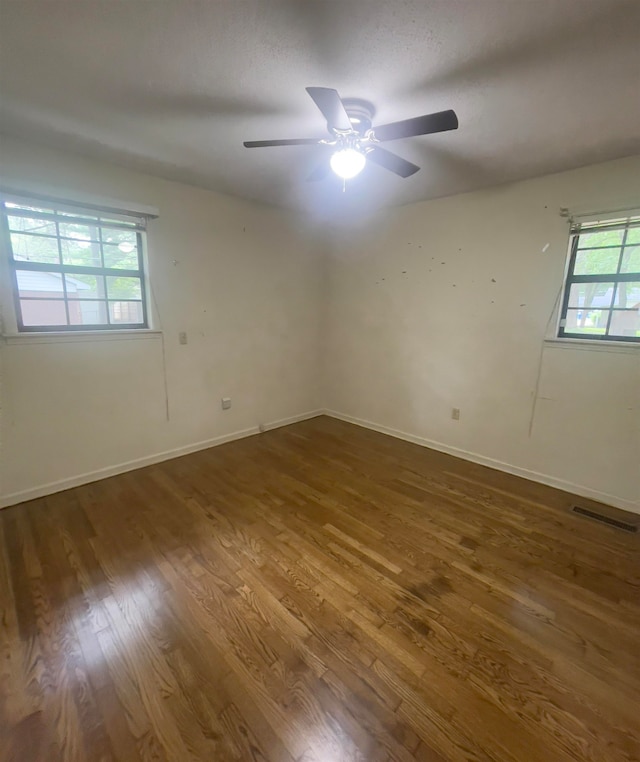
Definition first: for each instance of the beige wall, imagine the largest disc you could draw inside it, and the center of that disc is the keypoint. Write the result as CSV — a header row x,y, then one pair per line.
x,y
241,279
445,304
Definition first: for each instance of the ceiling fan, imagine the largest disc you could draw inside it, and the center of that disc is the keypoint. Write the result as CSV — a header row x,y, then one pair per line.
x,y
354,140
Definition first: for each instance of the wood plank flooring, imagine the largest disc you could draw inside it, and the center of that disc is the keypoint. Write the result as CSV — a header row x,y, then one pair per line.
x,y
319,592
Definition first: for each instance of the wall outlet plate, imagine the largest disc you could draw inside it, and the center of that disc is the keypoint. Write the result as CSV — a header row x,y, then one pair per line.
x,y
455,413
226,403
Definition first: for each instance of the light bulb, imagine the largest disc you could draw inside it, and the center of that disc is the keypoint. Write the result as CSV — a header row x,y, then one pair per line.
x,y
347,163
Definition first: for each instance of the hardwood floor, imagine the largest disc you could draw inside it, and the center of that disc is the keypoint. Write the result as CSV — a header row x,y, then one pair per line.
x,y
320,592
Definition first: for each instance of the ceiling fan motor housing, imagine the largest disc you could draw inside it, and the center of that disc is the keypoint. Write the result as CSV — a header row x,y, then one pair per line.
x,y
360,113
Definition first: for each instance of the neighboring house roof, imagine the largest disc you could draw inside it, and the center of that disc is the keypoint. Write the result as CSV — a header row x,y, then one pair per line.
x,y
32,280
603,301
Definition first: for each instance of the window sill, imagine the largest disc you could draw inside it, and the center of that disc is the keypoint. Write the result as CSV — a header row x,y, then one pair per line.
x,y
589,346
63,337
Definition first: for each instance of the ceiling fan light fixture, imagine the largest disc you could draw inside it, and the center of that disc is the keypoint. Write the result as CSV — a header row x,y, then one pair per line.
x,y
354,139
347,163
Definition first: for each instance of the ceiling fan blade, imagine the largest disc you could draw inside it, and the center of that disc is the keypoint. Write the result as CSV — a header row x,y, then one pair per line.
x,y
292,142
392,162
328,101
441,121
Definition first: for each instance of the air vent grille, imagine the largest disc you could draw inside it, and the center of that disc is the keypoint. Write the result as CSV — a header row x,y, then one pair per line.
x,y
625,526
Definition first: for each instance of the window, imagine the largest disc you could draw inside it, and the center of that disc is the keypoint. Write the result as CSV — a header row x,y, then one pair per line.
x,y
602,291
74,268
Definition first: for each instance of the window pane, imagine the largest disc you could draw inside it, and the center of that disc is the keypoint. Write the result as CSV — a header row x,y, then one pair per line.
x,y
87,313
126,312
40,285
85,286
631,259
43,312
80,252
600,238
83,244
627,294
78,231
123,255
586,321
117,236
591,295
633,235
34,248
625,323
123,288
596,261
22,224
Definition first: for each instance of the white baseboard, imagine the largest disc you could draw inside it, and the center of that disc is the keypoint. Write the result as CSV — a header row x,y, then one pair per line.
x,y
130,465
120,468
474,457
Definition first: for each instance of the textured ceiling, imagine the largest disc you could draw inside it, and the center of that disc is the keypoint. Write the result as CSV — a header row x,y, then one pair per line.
x,y
174,87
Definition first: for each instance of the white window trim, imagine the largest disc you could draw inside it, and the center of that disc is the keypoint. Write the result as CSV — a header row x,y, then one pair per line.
x,y
88,200
73,337
562,342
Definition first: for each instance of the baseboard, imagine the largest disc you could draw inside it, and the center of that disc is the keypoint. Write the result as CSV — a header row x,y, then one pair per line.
x,y
120,468
474,457
130,465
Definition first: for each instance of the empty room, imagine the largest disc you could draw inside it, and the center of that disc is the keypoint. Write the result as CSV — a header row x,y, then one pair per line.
x,y
319,381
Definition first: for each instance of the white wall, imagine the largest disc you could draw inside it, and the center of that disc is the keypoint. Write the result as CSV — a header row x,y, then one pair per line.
x,y
445,304
241,279
401,323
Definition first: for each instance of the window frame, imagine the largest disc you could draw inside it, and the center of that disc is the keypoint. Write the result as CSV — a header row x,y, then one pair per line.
x,y
570,278
101,217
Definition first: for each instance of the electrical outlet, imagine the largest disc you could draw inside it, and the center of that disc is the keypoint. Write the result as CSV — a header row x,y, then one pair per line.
x,y
182,337
455,413
226,403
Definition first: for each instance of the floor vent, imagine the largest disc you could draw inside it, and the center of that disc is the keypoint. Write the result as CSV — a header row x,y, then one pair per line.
x,y
626,526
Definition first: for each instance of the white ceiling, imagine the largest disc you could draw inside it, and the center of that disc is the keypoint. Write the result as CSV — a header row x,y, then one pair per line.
x,y
173,87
